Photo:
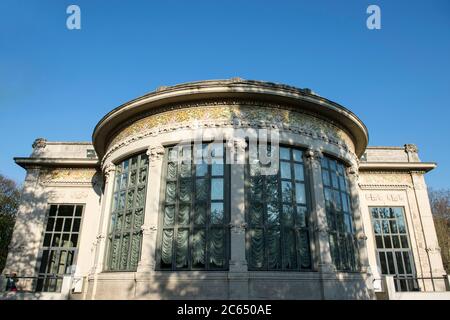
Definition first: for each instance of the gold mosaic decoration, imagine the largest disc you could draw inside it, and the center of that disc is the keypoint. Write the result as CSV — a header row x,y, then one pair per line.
x,y
67,175
384,178
230,113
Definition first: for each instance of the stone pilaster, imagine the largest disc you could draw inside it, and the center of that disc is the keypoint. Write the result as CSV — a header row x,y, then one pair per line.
x,y
147,260
322,255
238,276
100,243
430,242
352,178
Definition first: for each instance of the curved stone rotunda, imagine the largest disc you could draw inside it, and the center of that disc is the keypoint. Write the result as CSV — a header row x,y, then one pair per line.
x,y
225,189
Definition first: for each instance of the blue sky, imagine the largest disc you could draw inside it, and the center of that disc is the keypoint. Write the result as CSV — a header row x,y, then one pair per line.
x,y
56,83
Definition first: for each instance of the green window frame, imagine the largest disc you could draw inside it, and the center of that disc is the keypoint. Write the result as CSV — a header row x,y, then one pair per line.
x,y
60,245
127,213
394,253
194,216
277,215
341,227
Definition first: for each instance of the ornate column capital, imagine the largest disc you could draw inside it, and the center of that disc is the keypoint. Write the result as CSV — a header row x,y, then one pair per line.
x,y
148,229
313,154
108,170
353,172
155,153
238,228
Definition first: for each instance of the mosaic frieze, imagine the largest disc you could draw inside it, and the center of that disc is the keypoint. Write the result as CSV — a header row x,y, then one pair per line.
x,y
67,175
236,114
384,178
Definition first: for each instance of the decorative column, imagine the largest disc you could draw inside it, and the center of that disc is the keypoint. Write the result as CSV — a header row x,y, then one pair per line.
x,y
99,245
147,260
238,275
322,255
352,178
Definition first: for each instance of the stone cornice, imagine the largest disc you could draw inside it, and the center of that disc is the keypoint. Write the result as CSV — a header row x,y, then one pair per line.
x,y
397,166
57,162
300,99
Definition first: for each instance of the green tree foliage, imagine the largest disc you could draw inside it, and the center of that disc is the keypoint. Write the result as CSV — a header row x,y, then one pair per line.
x,y
9,202
440,206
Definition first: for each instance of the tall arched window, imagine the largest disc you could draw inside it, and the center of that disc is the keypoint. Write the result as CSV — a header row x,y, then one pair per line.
x,y
339,215
127,213
277,213
194,215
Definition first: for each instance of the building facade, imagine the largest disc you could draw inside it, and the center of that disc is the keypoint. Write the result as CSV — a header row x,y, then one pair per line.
x,y
167,202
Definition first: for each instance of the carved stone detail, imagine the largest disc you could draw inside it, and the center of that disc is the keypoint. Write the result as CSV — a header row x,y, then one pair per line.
x,y
155,153
108,171
238,228
39,143
411,148
149,229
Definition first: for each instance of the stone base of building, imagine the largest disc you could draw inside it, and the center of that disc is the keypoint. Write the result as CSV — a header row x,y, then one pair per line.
x,y
228,285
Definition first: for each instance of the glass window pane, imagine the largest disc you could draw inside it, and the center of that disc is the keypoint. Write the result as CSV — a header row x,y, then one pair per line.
x,y
288,215
183,214
182,249
256,213
273,213
303,244
285,169
166,249
290,254
59,224
216,248
273,248
185,190
301,216
66,211
384,269
216,212
300,193
171,171
298,170
390,260
200,213
217,169
216,189
286,190
298,155
326,178
53,210
169,215
285,153
257,248
198,249
201,169
201,192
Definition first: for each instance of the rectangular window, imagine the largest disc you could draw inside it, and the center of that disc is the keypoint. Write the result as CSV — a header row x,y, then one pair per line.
x,y
341,228
277,215
127,213
393,249
60,244
194,216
